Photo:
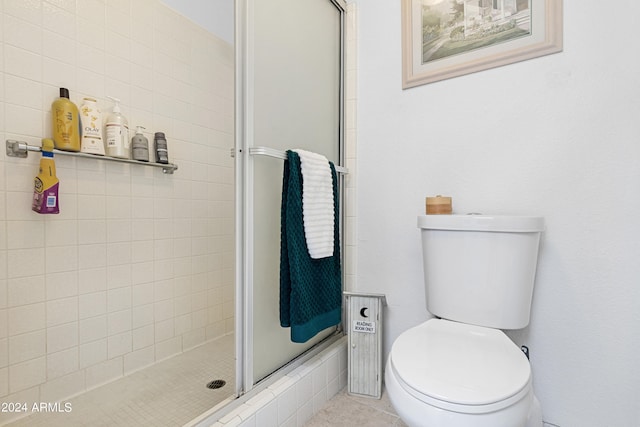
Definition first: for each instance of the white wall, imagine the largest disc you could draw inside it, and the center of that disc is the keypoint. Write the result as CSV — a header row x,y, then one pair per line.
x,y
215,16
555,136
138,266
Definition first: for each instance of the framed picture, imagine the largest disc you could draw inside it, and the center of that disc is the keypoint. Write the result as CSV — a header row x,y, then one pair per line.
x,y
449,38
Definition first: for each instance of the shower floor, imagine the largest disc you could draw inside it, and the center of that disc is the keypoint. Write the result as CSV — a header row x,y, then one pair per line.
x,y
169,393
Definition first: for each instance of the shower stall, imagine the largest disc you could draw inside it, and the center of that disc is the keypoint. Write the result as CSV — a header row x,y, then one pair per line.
x,y
152,298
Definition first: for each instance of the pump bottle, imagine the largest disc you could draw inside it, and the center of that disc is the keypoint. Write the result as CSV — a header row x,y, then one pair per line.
x,y
117,133
140,146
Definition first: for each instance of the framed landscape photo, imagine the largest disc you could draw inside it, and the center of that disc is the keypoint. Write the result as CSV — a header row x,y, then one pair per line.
x,y
449,38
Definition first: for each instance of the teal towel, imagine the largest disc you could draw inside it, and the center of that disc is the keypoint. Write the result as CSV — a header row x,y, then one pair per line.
x,y
310,289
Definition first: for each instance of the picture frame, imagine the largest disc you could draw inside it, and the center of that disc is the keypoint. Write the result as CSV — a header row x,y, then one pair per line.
x,y
442,39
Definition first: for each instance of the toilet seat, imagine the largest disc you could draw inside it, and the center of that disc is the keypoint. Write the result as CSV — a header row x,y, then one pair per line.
x,y
460,367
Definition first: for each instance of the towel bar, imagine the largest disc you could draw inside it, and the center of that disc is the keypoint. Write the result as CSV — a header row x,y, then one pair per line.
x,y
279,154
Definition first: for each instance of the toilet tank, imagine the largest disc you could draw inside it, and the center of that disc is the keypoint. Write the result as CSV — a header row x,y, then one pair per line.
x,y
480,269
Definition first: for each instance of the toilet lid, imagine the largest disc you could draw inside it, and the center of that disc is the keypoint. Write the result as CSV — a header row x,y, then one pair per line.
x,y
459,363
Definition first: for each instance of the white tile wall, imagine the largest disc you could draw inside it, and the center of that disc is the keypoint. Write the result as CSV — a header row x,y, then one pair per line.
x,y
128,272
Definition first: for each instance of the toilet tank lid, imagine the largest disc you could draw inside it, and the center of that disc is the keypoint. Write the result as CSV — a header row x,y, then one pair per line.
x,y
476,222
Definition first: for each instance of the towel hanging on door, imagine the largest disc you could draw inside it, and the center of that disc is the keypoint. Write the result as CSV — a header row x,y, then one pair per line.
x,y
310,289
317,203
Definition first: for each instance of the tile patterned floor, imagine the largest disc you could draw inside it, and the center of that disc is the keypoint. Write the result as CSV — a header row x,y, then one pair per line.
x,y
173,392
344,410
169,393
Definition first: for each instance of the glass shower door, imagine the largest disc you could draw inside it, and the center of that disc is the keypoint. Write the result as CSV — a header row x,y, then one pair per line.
x,y
294,92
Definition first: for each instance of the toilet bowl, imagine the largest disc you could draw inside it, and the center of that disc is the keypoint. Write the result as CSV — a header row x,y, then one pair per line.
x,y
445,373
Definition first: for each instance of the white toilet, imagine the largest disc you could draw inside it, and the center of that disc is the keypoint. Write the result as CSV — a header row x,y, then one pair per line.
x,y
459,369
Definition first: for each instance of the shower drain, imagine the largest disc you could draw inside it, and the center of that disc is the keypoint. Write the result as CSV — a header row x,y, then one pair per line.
x,y
216,384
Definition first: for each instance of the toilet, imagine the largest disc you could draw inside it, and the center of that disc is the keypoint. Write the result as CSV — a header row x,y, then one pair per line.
x,y
459,369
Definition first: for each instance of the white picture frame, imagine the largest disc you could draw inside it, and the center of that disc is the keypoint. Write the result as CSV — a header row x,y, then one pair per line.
x,y
475,35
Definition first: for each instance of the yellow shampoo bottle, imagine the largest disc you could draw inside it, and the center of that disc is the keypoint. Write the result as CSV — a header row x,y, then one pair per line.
x,y
65,123
46,184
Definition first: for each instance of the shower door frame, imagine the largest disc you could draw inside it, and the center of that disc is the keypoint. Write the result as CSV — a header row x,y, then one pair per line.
x,y
244,190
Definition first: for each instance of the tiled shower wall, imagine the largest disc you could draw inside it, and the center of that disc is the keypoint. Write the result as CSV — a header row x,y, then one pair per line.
x,y
138,266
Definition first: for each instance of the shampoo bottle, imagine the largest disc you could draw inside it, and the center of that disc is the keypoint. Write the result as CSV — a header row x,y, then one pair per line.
x,y
65,123
162,153
117,132
46,184
91,119
140,146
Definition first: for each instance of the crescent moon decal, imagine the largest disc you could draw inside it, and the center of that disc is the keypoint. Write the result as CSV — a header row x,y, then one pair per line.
x,y
363,312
